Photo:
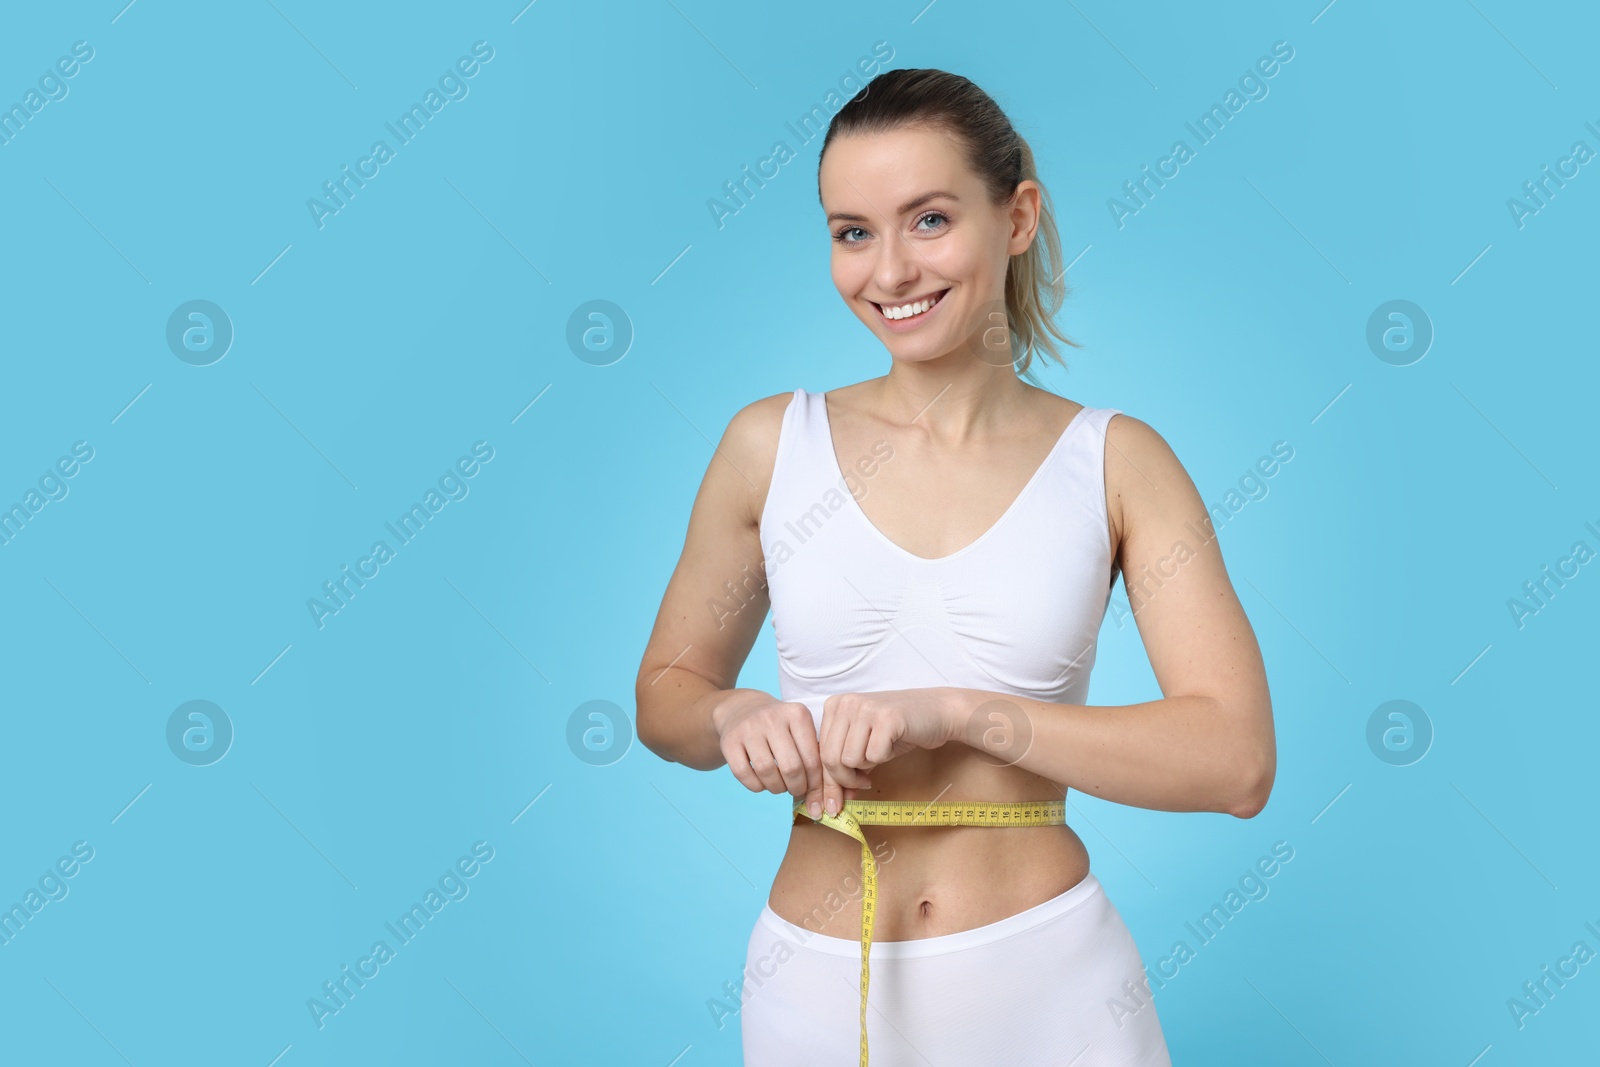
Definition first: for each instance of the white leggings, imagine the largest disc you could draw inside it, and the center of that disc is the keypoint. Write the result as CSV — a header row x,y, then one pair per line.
x,y
1058,985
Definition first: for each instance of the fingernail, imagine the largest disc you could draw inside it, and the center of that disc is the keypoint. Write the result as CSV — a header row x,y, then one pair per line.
x,y
833,806
816,809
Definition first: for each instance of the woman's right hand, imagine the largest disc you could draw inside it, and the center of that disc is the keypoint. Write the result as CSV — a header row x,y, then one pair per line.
x,y
771,746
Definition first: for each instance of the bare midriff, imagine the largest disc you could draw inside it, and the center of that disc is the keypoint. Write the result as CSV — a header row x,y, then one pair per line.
x,y
932,880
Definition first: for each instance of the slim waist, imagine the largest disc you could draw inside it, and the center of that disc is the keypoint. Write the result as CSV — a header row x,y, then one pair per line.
x,y
1064,903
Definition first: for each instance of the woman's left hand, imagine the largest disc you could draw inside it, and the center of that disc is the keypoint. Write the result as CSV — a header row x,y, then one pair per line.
x,y
861,731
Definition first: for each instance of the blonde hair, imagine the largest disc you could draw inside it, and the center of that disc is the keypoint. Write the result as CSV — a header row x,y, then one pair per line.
x,y
998,154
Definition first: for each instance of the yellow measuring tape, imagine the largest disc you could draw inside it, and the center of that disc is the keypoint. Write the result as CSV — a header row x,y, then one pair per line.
x,y
858,813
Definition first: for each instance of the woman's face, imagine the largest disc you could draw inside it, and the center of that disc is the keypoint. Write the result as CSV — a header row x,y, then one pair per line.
x,y
909,224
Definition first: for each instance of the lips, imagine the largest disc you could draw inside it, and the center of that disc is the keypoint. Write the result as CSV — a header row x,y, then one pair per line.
x,y
936,297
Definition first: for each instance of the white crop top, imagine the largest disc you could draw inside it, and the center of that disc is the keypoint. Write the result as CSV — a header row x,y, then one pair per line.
x,y
1017,611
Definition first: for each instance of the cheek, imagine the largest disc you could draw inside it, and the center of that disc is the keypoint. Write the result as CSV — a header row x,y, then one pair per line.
x,y
957,258
851,274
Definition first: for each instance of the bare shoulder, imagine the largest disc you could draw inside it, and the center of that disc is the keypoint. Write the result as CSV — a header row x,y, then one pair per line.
x,y
1144,478
1130,440
750,446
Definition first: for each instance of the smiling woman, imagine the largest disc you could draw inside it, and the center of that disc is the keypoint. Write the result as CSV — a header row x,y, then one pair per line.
x,y
998,168
935,640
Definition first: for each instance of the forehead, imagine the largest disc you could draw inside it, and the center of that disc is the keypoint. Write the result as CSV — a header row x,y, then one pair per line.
x,y
871,174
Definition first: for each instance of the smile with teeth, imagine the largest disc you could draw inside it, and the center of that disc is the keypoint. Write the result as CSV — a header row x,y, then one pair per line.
x,y
916,307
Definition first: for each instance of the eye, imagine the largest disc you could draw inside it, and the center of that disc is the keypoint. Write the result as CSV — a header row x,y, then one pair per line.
x,y
931,215
839,235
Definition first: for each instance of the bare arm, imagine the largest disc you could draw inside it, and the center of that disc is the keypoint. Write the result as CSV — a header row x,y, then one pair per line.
x,y
715,600
688,709
1208,744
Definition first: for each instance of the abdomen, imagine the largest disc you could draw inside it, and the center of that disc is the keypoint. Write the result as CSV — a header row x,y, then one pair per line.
x,y
932,880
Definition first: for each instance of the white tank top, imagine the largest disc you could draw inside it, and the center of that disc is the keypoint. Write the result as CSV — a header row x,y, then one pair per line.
x,y
1017,611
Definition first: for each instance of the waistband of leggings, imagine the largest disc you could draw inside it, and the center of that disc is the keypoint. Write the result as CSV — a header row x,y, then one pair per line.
x,y
1063,903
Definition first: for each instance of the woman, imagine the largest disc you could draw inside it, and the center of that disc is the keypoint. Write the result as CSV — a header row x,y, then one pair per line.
x,y
936,623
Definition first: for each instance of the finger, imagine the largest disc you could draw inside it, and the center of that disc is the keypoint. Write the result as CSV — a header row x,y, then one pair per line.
x,y
863,784
880,746
764,766
739,764
853,753
829,739
833,794
838,728
854,792
788,749
805,737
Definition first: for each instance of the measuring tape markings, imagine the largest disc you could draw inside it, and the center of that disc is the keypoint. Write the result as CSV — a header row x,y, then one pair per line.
x,y
857,813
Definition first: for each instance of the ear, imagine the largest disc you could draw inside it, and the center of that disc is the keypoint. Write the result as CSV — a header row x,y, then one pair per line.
x,y
1023,214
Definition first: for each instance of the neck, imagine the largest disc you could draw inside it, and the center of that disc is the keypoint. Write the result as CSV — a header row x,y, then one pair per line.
x,y
952,398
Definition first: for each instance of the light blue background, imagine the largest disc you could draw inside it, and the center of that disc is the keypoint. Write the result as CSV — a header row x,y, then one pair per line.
x,y
432,310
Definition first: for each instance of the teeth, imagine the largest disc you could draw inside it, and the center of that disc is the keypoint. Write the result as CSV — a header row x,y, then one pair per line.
x,y
905,311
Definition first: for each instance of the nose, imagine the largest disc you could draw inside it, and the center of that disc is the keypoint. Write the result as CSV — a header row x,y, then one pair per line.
x,y
897,264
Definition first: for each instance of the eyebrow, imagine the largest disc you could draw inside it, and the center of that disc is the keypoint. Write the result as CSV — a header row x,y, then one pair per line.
x,y
909,205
